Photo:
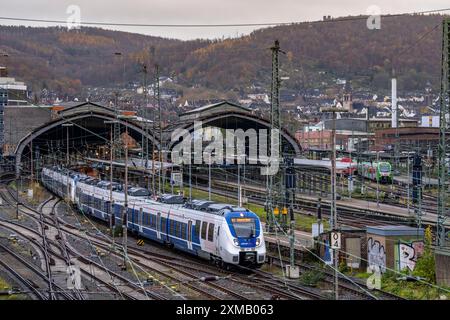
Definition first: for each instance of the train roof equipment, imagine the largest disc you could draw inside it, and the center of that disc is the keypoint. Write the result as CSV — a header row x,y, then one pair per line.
x,y
138,192
201,205
171,199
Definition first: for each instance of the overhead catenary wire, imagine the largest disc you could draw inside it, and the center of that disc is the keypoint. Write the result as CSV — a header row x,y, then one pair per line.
x,y
216,25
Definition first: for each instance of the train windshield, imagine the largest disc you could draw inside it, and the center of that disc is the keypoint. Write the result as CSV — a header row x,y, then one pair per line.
x,y
244,227
385,167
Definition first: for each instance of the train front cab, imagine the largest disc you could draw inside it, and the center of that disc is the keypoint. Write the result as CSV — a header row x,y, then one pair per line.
x,y
245,244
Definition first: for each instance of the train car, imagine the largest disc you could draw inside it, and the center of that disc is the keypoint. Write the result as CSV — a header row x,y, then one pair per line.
x,y
59,181
223,233
376,171
344,166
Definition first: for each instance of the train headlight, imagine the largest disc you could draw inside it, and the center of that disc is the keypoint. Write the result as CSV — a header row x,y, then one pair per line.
x,y
258,242
236,242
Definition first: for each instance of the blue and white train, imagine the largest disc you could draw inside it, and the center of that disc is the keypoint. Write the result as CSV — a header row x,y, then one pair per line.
x,y
219,232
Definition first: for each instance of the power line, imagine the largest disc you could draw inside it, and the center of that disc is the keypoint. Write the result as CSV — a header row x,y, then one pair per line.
x,y
251,24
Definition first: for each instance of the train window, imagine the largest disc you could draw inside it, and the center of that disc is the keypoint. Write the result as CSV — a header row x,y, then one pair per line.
x,y
189,231
163,224
152,221
171,227
197,228
158,221
178,229
183,230
211,232
204,227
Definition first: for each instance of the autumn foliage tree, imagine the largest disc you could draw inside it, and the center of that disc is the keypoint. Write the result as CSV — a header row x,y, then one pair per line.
x,y
425,265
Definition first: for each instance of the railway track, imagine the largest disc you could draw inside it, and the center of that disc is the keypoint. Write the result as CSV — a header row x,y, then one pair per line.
x,y
360,217
186,272
53,290
54,250
345,284
187,282
27,283
264,281
209,277
257,195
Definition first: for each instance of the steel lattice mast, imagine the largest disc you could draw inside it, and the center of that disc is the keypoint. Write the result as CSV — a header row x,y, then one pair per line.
x,y
274,183
444,134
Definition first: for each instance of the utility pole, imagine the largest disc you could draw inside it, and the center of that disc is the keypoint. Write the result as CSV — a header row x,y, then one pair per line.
x,y
333,205
417,187
444,134
145,72
31,163
116,110
158,101
209,178
377,166
190,179
274,182
67,125
17,196
125,215
111,176
333,213
409,184
293,271
238,158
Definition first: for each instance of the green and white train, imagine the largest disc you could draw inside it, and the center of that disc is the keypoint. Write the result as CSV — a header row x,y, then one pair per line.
x,y
376,171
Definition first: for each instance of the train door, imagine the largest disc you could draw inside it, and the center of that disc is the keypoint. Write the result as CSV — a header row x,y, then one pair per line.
x,y
133,218
189,235
140,217
122,211
217,241
158,225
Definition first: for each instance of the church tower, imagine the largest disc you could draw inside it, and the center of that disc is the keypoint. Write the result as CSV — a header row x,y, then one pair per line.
x,y
347,101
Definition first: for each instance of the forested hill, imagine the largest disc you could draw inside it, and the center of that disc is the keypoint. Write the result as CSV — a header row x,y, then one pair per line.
x,y
315,53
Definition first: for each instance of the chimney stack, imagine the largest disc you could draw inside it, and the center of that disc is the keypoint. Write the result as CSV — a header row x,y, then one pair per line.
x,y
394,103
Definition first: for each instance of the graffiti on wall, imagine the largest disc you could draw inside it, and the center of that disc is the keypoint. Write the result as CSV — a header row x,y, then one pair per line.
x,y
409,253
376,255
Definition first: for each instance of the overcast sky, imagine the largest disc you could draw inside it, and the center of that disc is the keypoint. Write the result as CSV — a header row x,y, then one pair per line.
x,y
202,12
